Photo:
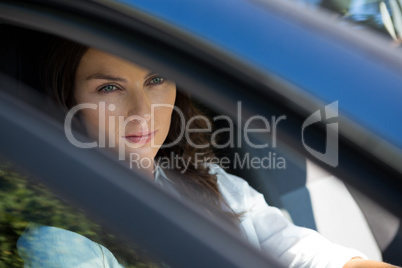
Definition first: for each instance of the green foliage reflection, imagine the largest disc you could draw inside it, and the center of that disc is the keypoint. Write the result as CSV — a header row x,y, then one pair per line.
x,y
23,201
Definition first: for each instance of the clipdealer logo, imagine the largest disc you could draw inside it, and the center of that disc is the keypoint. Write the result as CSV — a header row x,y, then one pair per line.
x,y
331,154
107,135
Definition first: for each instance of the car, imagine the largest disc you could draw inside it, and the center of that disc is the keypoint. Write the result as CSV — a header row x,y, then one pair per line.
x,y
329,158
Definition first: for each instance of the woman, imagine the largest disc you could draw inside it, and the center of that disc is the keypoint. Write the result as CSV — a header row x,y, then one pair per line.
x,y
141,120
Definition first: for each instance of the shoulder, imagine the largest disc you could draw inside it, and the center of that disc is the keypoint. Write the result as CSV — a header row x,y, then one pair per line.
x,y
228,180
48,246
238,194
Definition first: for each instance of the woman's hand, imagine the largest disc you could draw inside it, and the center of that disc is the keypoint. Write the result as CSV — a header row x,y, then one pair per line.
x,y
362,263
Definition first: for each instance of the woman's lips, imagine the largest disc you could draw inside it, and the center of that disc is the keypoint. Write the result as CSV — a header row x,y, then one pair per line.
x,y
141,137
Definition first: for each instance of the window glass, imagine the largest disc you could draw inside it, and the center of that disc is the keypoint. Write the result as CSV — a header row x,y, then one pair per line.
x,y
384,17
40,229
205,148
28,206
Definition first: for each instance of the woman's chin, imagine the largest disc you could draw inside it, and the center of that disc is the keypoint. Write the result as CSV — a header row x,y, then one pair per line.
x,y
145,153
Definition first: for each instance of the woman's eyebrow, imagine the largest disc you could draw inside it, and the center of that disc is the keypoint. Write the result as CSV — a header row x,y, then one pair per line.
x,y
150,73
105,77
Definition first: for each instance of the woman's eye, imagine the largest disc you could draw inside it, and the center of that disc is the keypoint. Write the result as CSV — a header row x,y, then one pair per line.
x,y
156,80
108,88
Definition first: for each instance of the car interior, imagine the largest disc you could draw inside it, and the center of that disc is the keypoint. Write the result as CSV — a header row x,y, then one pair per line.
x,y
307,195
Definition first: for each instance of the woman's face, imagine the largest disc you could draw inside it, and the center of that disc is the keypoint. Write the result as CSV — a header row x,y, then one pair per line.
x,y
137,104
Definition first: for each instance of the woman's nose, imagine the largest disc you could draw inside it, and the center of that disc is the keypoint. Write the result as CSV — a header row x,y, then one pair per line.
x,y
139,104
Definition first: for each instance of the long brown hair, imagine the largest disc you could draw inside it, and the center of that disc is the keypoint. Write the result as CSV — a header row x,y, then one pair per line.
x,y
197,183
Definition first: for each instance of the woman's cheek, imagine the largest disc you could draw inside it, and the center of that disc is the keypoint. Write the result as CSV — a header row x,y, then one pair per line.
x,y
167,121
96,123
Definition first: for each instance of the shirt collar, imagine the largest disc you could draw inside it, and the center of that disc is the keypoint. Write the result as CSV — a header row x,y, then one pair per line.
x,y
160,176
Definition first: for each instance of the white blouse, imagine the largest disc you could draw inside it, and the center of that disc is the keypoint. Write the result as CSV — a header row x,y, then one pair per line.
x,y
267,229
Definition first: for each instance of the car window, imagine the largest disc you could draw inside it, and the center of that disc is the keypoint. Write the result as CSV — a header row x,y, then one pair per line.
x,y
51,221
246,145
